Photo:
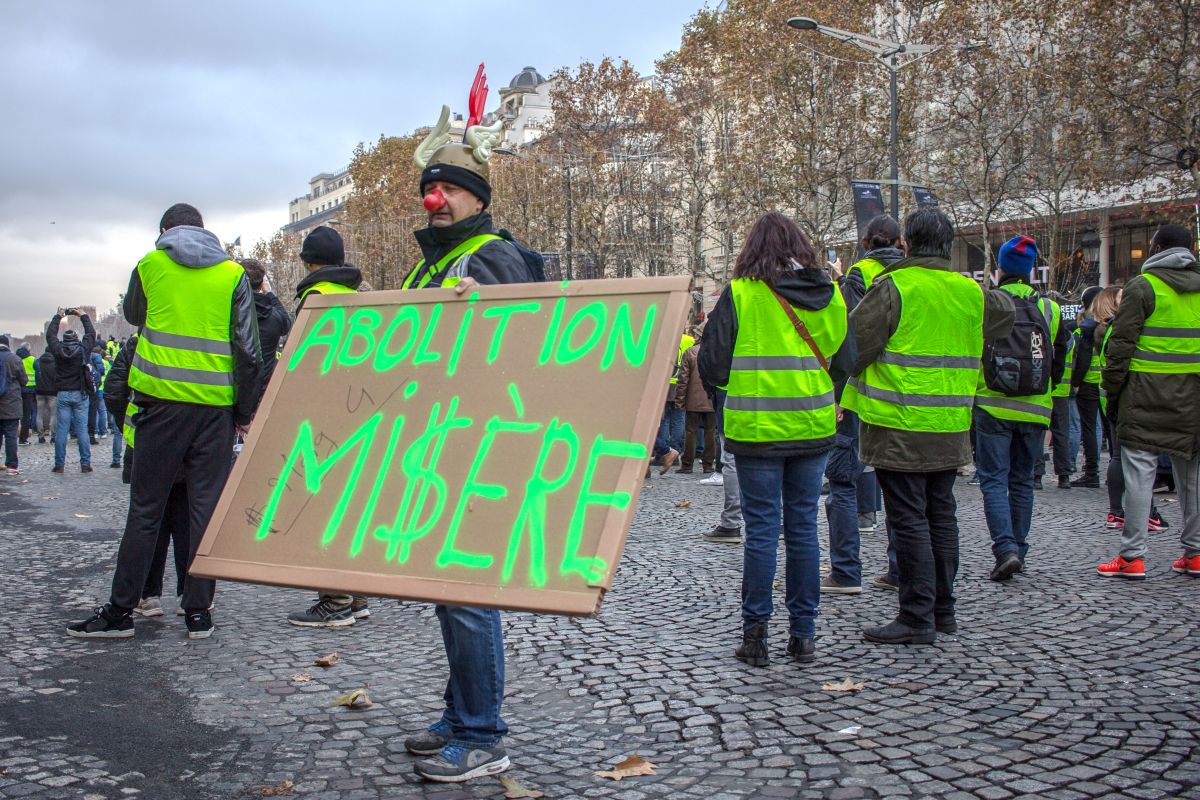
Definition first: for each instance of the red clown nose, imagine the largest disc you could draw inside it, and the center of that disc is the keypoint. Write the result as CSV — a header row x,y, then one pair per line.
x,y
434,200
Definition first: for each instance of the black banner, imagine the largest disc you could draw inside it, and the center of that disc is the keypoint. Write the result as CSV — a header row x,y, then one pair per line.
x,y
925,198
868,204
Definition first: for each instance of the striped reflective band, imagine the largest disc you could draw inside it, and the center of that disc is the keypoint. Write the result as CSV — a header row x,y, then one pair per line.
x,y
1173,333
193,343
734,403
1012,405
182,375
753,363
932,362
915,400
1168,358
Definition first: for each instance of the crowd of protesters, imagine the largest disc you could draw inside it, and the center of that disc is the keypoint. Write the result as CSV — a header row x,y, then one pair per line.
x,y
890,381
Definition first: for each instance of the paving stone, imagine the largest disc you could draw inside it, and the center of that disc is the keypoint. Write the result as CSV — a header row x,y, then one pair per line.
x,y
994,712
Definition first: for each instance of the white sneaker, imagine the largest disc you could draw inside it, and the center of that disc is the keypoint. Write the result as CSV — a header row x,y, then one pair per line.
x,y
149,607
716,479
13,471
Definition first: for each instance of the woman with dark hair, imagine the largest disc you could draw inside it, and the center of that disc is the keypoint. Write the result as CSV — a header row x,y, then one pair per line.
x,y
776,341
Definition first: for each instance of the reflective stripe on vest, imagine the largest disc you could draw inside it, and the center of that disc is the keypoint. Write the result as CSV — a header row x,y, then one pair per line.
x,y
1170,340
685,342
457,270
925,379
130,423
870,269
1026,408
327,287
1063,389
184,353
778,391
30,379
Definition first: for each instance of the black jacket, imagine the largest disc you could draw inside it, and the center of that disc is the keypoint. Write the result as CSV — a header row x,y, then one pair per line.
x,y
495,262
346,275
198,248
45,374
71,372
1084,349
804,288
116,387
274,322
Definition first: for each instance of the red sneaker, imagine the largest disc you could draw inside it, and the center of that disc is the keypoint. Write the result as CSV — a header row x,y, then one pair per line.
x,y
1157,523
1115,522
1187,565
1119,567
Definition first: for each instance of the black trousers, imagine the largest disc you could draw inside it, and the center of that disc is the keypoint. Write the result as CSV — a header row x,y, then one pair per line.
x,y
1088,399
172,437
923,516
28,407
1060,435
173,533
712,454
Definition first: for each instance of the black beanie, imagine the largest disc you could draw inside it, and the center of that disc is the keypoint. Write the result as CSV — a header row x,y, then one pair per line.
x,y
323,246
473,182
1089,294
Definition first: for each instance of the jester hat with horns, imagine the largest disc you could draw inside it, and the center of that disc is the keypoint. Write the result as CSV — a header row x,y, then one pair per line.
x,y
463,163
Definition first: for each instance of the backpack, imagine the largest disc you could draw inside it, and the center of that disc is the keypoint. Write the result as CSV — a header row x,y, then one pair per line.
x,y
1019,364
533,259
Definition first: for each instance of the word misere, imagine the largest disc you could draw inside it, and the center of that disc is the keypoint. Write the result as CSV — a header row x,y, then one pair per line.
x,y
361,336
425,496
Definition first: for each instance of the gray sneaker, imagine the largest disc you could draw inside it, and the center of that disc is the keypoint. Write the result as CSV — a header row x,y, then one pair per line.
x,y
323,614
723,534
866,522
149,607
360,609
429,742
462,762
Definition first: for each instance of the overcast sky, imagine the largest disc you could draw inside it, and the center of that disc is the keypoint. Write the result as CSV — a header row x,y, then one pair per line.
x,y
115,110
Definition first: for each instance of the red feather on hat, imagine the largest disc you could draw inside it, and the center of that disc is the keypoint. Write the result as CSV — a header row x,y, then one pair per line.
x,y
477,98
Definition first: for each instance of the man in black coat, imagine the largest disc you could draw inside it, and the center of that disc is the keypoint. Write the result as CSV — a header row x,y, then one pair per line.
x,y
72,386
274,321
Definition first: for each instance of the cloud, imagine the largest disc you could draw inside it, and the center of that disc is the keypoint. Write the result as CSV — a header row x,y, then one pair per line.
x,y
117,110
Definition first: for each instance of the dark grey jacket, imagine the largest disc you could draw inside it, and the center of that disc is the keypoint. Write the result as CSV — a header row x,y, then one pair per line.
x,y
10,401
873,322
198,248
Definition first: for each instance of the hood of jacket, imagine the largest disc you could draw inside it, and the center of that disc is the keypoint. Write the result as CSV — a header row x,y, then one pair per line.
x,y
885,255
263,304
436,242
23,352
1176,267
190,246
346,275
807,288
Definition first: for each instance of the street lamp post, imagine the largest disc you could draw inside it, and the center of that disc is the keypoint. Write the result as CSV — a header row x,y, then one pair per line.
x,y
892,56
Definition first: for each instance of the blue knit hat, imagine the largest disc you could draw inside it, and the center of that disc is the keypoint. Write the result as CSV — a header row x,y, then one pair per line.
x,y
1018,255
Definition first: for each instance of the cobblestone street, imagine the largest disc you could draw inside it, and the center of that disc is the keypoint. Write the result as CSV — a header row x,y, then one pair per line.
x,y
1062,684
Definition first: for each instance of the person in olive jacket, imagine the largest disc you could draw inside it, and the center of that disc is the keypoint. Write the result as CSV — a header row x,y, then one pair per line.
x,y
1158,412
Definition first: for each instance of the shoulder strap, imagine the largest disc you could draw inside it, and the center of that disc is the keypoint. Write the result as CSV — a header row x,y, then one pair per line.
x,y
801,329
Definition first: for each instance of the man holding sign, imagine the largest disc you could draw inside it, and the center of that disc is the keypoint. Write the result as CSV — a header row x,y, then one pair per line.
x,y
463,250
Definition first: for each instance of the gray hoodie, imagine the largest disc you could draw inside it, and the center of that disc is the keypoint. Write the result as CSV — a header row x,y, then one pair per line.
x,y
198,248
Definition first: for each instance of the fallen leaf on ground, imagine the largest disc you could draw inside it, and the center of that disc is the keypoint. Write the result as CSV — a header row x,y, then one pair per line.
x,y
684,504
278,790
847,685
630,767
327,661
356,699
513,789
84,516
303,677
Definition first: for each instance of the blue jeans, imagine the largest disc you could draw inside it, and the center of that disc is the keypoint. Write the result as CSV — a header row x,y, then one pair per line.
x,y
117,440
1006,452
841,508
9,429
72,418
475,651
795,484
670,429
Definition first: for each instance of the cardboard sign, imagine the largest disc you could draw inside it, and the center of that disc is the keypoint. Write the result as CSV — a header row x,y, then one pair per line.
x,y
482,449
